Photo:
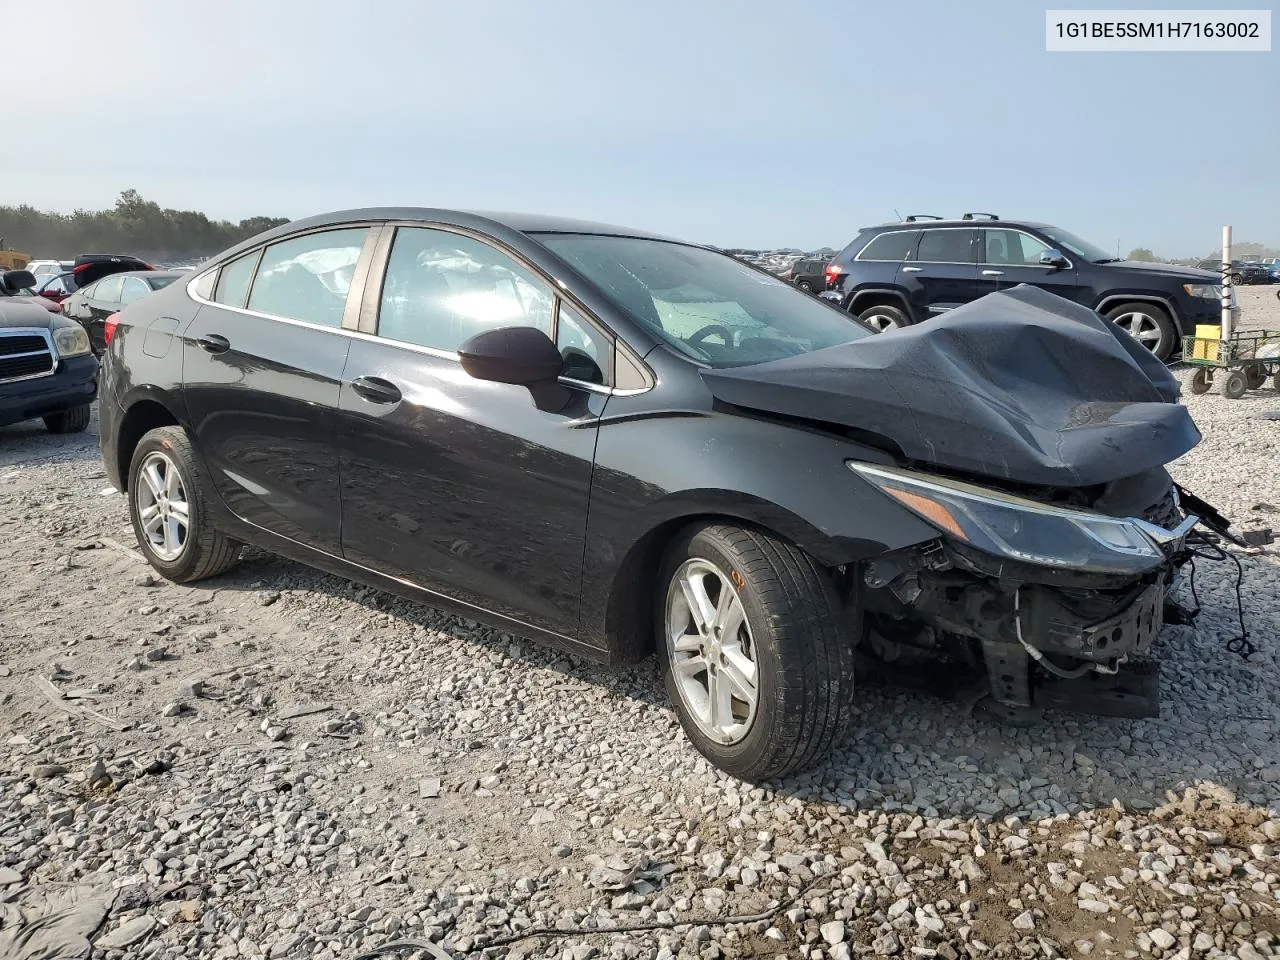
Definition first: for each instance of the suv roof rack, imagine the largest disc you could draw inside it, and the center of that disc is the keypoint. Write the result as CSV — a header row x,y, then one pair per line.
x,y
971,216
920,216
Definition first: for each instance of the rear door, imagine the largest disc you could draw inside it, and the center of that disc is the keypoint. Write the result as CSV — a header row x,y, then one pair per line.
x,y
457,485
942,274
1010,257
262,364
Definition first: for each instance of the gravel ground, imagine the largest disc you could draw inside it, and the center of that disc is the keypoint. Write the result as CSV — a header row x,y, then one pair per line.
x,y
280,763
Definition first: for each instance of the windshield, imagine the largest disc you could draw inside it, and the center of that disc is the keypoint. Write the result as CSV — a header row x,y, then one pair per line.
x,y
1073,244
709,306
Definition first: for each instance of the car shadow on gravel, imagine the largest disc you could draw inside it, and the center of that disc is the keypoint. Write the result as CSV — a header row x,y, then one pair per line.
x,y
913,752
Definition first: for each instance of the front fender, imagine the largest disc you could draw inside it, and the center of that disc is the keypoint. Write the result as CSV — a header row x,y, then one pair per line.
x,y
656,473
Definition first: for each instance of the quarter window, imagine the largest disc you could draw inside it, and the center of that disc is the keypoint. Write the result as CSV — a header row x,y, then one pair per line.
x,y
1013,247
947,246
108,289
234,279
895,245
586,352
307,278
442,288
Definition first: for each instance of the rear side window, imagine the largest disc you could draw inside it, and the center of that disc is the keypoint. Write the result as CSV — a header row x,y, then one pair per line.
x,y
108,290
896,245
307,278
947,246
133,289
233,280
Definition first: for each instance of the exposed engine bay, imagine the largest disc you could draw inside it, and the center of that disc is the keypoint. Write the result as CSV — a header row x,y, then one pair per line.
x,y
1030,635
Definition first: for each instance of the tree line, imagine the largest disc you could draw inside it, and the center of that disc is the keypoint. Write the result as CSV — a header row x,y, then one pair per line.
x,y
133,226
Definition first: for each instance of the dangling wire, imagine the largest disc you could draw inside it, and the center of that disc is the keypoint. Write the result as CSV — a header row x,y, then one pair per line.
x,y
1240,645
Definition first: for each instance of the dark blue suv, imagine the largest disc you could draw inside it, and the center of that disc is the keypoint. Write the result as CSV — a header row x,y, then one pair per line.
x,y
897,274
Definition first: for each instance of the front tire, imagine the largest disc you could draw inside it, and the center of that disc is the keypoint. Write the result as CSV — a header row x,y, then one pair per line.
x,y
169,506
805,285
757,656
1147,323
75,420
1201,381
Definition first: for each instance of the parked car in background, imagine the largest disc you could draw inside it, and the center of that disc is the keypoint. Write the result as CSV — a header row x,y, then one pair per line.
x,y
91,306
89,267
898,274
48,268
57,287
1242,272
557,428
47,367
808,275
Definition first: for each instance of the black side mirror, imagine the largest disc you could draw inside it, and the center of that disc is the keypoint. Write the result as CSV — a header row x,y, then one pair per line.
x,y
18,279
524,356
1053,258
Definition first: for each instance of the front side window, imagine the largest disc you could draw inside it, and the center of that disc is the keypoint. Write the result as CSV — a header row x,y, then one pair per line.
x,y
1013,247
234,279
947,246
443,288
107,290
895,245
307,278
708,306
132,289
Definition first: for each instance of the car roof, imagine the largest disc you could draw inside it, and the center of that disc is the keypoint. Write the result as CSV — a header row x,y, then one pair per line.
x,y
959,222
519,222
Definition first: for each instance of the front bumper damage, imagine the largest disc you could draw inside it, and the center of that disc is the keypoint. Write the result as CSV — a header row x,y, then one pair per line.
x,y
1029,636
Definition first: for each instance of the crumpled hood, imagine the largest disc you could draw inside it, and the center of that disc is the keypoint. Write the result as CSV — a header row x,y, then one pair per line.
x,y
1020,385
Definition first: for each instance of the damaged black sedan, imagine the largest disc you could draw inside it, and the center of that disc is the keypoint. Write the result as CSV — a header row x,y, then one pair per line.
x,y
621,444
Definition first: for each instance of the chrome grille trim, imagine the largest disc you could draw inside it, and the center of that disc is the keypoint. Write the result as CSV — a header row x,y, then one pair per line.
x,y
44,335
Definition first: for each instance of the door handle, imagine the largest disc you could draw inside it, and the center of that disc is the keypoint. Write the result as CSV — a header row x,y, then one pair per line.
x,y
912,269
376,390
993,273
213,343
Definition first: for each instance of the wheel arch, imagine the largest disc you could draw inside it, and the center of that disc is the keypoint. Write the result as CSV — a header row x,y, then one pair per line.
x,y
627,630
143,414
1115,299
879,296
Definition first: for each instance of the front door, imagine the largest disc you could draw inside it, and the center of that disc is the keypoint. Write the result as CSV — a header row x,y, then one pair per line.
x,y
460,486
262,364
1011,257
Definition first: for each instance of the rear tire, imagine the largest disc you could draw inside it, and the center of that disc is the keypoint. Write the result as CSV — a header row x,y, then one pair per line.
x,y
884,317
782,629
805,286
75,420
1147,323
174,477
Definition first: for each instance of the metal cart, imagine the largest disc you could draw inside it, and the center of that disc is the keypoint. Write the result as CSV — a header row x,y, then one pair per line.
x,y
1245,359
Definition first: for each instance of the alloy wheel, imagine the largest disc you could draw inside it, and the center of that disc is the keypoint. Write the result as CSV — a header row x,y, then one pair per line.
x,y
1141,326
881,321
712,653
163,508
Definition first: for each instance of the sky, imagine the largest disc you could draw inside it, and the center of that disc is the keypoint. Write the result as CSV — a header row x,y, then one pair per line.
x,y
729,122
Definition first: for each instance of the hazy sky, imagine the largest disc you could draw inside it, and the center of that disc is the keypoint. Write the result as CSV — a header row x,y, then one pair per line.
x,y
732,123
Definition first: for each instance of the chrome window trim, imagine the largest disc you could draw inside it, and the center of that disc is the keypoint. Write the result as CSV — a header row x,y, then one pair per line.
x,y
965,263
47,336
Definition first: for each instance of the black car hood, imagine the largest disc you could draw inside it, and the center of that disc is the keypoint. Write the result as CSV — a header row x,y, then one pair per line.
x,y
1020,385
1191,274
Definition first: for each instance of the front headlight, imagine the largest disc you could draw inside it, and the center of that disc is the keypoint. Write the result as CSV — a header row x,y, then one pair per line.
x,y
71,341
1020,529
1203,291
